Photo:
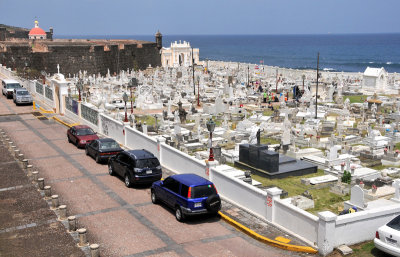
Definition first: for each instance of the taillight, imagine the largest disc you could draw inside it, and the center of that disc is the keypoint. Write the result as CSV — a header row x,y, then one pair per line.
x,y
189,192
215,189
377,234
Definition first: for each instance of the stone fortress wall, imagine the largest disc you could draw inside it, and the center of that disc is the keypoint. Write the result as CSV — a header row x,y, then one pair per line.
x,y
74,55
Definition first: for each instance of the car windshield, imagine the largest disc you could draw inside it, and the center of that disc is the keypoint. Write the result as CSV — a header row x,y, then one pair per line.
x,y
22,93
109,145
203,191
84,132
147,163
394,223
13,85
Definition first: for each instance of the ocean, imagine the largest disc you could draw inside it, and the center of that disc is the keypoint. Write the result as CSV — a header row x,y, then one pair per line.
x,y
347,52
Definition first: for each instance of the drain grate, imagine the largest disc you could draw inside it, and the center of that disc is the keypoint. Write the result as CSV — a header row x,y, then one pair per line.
x,y
37,114
42,118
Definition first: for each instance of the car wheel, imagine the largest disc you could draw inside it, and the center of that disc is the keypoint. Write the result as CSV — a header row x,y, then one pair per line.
x,y
77,143
179,214
98,160
154,199
110,170
69,139
127,181
86,152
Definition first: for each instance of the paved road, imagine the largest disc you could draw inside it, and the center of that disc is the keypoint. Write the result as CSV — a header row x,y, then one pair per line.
x,y
123,221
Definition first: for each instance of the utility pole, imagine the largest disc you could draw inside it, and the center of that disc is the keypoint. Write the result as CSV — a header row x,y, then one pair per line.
x,y
248,74
316,90
276,87
194,85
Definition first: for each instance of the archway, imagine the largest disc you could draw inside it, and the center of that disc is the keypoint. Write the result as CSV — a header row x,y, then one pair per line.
x,y
181,59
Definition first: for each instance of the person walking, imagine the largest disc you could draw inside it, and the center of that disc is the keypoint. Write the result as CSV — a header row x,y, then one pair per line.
x,y
265,96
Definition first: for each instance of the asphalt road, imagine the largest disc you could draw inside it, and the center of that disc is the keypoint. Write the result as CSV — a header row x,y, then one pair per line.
x,y
122,220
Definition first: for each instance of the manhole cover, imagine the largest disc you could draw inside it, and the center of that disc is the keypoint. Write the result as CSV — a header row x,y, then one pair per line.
x,y
37,114
42,118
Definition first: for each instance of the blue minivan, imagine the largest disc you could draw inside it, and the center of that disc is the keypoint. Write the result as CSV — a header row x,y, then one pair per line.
x,y
187,194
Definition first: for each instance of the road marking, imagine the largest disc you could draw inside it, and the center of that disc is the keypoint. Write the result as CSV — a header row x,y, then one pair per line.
x,y
25,226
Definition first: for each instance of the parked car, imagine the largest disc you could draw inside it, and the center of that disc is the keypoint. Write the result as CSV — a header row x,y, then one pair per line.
x,y
136,167
103,149
387,237
22,96
80,135
8,86
187,194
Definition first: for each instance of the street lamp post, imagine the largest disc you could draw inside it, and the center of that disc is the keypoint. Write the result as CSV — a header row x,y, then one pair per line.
x,y
210,128
125,98
303,77
316,90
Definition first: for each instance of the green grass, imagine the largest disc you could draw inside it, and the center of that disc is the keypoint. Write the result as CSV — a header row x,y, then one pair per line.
x,y
150,120
268,112
323,199
355,98
268,141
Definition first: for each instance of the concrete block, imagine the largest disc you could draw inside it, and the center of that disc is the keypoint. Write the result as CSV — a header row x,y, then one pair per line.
x,y
344,250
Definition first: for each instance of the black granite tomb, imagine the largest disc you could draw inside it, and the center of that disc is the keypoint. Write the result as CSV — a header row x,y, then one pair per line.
x,y
263,162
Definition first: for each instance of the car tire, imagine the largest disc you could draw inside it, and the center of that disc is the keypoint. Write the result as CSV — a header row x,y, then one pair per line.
x,y
179,214
77,143
69,139
127,180
213,204
154,199
110,170
97,158
86,152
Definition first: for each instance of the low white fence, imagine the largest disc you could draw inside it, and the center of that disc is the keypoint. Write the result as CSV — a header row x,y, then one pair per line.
x,y
361,226
180,162
112,128
134,139
240,193
296,220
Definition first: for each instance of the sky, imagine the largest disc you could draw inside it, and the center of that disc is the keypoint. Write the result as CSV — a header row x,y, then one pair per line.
x,y
205,17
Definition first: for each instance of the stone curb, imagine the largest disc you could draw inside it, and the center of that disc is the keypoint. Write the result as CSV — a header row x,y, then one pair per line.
x,y
253,234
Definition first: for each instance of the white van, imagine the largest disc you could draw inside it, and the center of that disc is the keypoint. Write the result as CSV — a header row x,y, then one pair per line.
x,y
8,86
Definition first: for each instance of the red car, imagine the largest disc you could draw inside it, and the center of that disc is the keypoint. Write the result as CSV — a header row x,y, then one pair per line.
x,y
81,135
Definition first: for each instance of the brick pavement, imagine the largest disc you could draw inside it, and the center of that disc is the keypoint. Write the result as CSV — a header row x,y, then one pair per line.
x,y
123,221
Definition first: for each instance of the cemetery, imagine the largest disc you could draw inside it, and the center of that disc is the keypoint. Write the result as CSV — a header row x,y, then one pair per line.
x,y
297,146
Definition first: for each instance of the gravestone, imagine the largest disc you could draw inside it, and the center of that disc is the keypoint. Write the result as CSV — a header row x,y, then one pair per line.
x,y
357,196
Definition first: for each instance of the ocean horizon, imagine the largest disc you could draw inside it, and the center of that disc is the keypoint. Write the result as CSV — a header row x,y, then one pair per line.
x,y
338,52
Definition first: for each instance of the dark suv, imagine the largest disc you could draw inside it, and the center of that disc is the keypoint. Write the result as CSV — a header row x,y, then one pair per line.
x,y
135,166
188,194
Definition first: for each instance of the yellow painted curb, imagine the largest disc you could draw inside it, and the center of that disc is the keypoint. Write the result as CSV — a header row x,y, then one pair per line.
x,y
64,123
290,247
44,110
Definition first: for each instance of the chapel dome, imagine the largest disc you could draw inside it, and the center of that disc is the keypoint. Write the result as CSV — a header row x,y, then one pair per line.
x,y
36,30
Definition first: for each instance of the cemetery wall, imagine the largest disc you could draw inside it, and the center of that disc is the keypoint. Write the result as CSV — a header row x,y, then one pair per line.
x,y
112,128
362,225
240,193
72,58
180,162
135,139
296,220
